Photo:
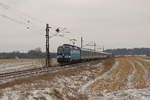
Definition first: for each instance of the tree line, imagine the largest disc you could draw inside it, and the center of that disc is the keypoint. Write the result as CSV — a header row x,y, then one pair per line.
x,y
37,53
134,51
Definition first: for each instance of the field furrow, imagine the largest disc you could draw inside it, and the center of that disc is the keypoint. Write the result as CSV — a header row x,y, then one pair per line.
x,y
120,78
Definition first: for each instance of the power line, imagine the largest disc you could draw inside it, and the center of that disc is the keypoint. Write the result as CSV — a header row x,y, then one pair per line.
x,y
12,19
25,19
8,7
2,5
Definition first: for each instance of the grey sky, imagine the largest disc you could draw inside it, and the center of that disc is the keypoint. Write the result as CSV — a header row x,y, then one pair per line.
x,y
112,23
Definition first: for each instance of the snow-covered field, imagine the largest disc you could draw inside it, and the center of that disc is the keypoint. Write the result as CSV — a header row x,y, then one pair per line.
x,y
122,78
10,65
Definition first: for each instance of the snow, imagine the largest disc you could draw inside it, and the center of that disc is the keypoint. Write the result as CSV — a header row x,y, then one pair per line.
x,y
18,65
145,76
146,60
130,84
41,93
31,95
77,83
130,94
106,74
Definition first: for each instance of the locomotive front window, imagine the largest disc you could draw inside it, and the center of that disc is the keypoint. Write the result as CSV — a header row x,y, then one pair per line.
x,y
60,50
66,51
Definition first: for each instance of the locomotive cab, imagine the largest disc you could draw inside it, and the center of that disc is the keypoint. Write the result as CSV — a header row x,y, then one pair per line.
x,y
68,54
63,54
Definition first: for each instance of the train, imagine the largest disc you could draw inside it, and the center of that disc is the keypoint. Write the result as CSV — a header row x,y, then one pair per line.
x,y
67,53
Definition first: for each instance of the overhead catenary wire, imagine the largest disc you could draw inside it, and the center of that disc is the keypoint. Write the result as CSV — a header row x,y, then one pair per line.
x,y
29,21
12,19
23,19
8,7
2,5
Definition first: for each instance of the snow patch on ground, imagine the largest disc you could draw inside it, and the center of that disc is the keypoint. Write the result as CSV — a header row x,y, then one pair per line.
x,y
43,94
146,60
17,66
83,89
130,94
130,84
145,76
74,85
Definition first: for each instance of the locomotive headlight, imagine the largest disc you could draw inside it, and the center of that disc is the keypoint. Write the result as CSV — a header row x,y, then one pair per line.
x,y
67,56
59,56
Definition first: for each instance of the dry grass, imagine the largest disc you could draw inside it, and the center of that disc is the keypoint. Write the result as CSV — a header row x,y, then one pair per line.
x,y
38,81
46,77
147,58
116,79
2,61
108,63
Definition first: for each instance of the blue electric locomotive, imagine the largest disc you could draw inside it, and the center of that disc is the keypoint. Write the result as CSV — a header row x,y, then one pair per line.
x,y
69,53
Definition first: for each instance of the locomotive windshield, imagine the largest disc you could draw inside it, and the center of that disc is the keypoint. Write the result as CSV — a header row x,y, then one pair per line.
x,y
63,50
66,51
60,50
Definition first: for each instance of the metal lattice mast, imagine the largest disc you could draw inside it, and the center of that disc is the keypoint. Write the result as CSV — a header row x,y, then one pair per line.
x,y
81,47
47,46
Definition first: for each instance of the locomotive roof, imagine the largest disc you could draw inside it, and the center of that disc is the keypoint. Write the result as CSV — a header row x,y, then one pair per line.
x,y
106,53
85,49
69,45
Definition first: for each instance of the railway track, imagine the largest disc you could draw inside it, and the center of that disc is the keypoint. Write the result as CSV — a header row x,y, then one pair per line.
x,y
5,77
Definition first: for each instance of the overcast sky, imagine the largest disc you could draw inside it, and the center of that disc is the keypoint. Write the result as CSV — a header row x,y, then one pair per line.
x,y
112,23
